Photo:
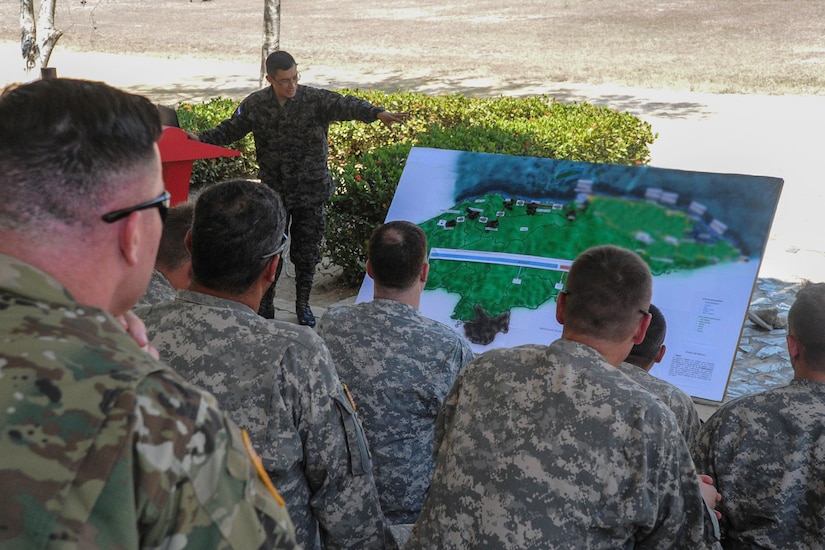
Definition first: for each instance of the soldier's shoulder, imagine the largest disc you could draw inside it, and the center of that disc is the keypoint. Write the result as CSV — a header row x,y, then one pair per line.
x,y
340,312
297,334
263,95
658,387
518,354
311,92
208,452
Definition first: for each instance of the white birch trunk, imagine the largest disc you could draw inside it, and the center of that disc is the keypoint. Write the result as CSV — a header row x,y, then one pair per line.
x,y
272,33
38,36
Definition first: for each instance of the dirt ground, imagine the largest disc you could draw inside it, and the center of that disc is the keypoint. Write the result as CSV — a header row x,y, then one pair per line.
x,y
762,46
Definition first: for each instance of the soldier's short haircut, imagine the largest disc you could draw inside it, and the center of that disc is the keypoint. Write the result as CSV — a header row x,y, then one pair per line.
x,y
279,61
644,353
607,290
172,252
237,225
397,251
65,146
806,322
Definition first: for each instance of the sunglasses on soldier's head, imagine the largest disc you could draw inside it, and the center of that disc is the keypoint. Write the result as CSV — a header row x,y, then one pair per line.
x,y
278,250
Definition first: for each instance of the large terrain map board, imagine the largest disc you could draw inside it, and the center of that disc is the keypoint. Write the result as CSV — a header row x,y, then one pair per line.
x,y
504,230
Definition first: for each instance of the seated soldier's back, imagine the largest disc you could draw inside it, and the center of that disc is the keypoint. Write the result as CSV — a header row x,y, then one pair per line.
x,y
399,366
278,382
103,444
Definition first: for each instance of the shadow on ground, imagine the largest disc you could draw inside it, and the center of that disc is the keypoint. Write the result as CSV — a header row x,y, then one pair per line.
x,y
237,86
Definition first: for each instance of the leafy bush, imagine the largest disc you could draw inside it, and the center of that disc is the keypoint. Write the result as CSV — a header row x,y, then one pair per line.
x,y
203,116
365,188
366,160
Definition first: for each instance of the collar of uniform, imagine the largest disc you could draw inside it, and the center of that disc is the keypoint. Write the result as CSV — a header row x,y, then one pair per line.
x,y
23,279
583,350
297,98
212,301
808,384
394,307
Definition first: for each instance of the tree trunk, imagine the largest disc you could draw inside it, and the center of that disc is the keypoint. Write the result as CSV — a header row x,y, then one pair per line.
x,y
272,33
38,36
46,33
28,34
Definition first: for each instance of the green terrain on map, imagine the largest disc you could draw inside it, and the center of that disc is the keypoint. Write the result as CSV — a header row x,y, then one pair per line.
x,y
663,237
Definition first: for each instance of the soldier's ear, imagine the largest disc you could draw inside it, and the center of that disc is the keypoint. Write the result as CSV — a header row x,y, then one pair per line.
x,y
272,268
129,237
641,329
425,272
793,346
661,354
561,301
187,241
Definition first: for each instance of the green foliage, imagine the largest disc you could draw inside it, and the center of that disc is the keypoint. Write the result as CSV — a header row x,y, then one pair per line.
x,y
366,160
365,188
202,116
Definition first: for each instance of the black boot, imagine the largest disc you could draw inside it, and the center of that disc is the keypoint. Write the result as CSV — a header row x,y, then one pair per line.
x,y
266,308
305,316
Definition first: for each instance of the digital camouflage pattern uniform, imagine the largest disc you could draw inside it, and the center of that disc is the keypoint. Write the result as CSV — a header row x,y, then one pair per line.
x,y
766,452
278,382
399,366
101,446
159,290
292,150
679,402
552,447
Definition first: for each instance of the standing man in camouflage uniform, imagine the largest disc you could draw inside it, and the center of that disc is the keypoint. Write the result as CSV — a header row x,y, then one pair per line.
x,y
101,445
552,447
276,379
398,364
173,266
767,450
637,367
290,124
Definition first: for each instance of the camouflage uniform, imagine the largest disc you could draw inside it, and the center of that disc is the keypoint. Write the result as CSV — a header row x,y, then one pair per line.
x,y
766,452
279,383
552,447
101,446
159,290
679,402
399,366
292,150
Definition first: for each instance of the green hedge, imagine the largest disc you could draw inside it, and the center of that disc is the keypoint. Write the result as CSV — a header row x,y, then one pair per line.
x,y
366,160
202,116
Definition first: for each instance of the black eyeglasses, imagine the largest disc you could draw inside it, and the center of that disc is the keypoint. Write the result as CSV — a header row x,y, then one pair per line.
x,y
161,203
277,250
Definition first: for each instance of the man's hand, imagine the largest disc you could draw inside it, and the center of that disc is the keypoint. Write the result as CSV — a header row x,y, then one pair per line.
x,y
388,118
193,137
709,493
132,324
